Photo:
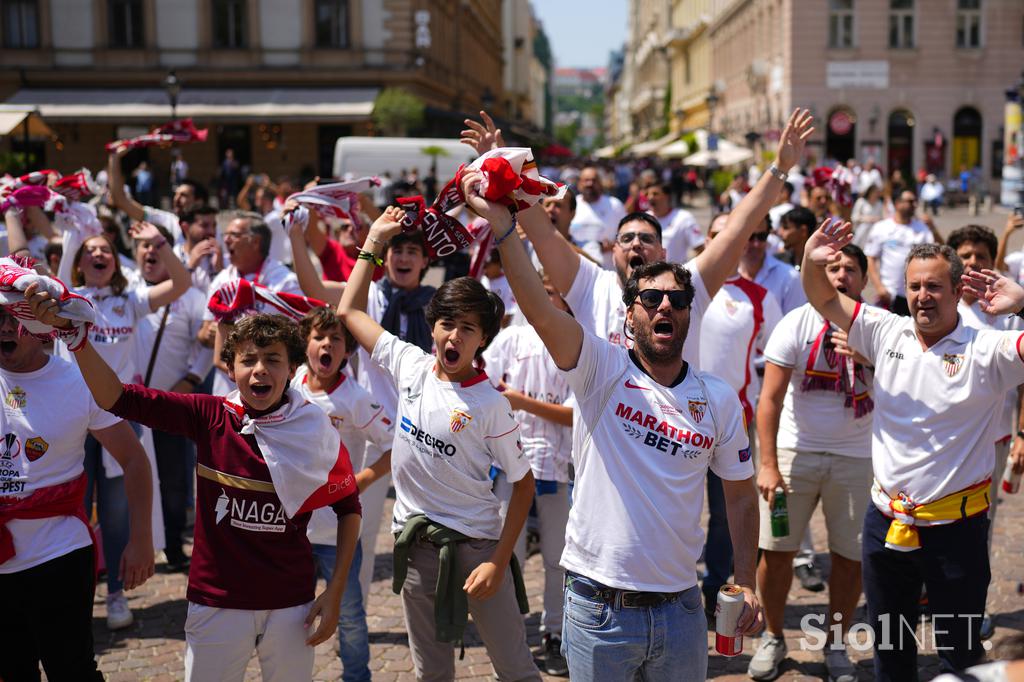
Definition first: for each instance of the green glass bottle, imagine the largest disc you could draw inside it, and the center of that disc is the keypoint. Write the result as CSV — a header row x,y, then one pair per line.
x,y
780,515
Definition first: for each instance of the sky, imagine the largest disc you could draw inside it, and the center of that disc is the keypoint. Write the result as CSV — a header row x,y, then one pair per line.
x,y
583,32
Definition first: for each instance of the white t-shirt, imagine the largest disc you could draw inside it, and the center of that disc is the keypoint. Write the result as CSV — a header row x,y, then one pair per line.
x,y
448,437
868,179
166,220
734,332
596,300
595,223
891,242
47,415
500,286
1015,266
113,335
642,453
369,374
680,232
518,357
783,281
358,418
973,316
180,352
937,411
818,420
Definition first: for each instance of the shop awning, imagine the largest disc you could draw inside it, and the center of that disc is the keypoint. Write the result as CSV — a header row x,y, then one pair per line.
x,y
152,104
650,147
12,118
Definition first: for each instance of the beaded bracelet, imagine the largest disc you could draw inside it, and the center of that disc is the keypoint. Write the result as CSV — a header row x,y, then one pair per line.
x,y
371,257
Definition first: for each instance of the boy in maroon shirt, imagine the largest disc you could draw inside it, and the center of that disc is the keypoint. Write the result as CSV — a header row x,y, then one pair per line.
x,y
251,582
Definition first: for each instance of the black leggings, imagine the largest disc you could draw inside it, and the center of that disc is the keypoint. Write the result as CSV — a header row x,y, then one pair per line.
x,y
48,619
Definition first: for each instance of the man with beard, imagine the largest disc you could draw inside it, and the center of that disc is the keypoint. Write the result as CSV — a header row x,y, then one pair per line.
x,y
171,358
595,295
593,225
646,431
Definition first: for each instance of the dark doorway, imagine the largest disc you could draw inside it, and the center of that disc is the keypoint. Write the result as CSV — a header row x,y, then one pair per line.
x,y
901,143
840,135
966,140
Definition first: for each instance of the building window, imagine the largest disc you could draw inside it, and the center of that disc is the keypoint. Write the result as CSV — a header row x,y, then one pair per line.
x,y
126,27
20,23
332,23
968,23
840,23
229,23
901,24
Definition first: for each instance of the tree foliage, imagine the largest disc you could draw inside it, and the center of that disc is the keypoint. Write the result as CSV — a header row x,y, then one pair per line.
x,y
396,112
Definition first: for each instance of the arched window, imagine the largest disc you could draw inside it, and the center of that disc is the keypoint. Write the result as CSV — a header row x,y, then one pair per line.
x,y
901,142
966,139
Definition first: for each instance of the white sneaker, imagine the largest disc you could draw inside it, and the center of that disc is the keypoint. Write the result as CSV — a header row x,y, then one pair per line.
x,y
765,663
839,667
119,616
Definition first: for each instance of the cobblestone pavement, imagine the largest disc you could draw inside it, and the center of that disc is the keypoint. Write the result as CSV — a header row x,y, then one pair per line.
x,y
153,648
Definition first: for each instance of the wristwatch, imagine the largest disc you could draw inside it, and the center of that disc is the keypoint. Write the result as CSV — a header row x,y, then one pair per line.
x,y
777,173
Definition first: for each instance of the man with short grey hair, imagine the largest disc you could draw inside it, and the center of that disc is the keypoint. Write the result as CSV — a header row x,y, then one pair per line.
x,y
939,388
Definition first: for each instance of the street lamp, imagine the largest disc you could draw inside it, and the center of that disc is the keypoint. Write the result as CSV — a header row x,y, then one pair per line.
x,y
712,102
173,87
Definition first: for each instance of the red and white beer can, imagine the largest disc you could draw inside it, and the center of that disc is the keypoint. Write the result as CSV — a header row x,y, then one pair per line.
x,y
1011,480
730,606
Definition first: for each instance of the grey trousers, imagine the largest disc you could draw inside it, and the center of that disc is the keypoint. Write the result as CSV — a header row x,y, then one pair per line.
x,y
497,619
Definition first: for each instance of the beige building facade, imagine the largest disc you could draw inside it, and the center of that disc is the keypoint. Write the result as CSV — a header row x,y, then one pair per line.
x,y
278,81
910,83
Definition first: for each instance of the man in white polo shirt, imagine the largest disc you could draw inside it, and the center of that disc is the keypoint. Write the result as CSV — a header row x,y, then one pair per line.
x,y
646,430
938,389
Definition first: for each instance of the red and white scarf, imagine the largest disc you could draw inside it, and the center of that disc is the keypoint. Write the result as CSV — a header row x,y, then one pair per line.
x,y
827,370
14,279
509,177
78,186
180,131
337,200
241,297
33,195
308,463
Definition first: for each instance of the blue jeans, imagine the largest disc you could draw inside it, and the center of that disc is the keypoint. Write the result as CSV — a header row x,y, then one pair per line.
x,y
602,642
353,635
718,546
111,508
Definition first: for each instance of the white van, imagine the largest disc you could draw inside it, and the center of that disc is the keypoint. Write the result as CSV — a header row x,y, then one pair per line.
x,y
363,156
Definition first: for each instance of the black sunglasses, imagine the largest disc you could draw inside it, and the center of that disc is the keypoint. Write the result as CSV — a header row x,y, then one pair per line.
x,y
677,298
626,238
759,237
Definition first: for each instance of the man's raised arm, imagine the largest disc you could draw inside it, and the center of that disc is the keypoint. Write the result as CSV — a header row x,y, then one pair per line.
x,y
719,260
823,247
115,183
562,335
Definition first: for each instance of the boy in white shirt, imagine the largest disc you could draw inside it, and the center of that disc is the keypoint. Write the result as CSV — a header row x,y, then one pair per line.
x,y
358,418
452,427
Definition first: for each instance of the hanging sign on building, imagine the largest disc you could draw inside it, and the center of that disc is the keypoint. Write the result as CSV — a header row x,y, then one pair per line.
x,y
857,75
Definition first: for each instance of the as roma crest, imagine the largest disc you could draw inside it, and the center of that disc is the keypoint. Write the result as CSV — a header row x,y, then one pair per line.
x,y
35,448
697,409
460,420
952,363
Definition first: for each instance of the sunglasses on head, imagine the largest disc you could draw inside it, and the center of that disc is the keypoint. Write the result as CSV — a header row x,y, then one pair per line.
x,y
646,238
677,298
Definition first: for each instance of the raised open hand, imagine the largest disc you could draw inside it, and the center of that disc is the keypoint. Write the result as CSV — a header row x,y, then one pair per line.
x,y
482,138
997,294
793,138
824,245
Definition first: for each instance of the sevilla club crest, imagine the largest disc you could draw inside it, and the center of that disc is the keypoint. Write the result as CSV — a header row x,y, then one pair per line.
x,y
697,409
952,363
460,420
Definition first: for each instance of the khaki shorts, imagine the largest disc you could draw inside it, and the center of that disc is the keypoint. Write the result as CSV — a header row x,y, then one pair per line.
x,y
843,484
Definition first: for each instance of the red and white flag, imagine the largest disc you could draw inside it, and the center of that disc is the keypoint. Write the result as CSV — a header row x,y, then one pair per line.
x,y
78,186
241,297
15,278
308,463
180,131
